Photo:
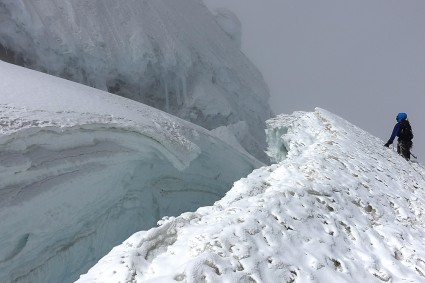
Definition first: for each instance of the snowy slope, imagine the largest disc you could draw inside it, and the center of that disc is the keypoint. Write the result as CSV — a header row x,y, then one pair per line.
x,y
338,207
81,170
169,54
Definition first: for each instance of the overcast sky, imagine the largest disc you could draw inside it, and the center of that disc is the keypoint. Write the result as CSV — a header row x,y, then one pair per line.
x,y
363,60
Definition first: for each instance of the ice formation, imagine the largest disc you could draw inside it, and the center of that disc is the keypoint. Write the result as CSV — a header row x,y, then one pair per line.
x,y
337,207
169,54
81,170
230,24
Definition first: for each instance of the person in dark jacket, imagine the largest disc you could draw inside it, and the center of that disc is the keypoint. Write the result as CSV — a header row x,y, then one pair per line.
x,y
403,131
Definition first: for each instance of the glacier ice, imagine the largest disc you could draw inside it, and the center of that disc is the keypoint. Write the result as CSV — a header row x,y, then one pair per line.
x,y
172,55
82,169
230,24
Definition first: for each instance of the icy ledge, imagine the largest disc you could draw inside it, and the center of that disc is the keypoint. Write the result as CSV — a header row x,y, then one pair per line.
x,y
172,55
81,170
338,207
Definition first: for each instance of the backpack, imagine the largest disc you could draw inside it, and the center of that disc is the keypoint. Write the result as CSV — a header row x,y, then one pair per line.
x,y
405,132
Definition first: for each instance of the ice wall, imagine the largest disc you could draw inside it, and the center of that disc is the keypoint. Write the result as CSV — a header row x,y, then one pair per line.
x,y
230,24
171,55
81,170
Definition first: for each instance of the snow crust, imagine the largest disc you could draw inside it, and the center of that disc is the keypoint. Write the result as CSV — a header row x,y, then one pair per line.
x,y
337,207
172,55
81,170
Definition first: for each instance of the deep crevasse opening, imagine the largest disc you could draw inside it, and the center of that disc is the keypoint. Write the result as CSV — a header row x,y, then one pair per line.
x,y
65,206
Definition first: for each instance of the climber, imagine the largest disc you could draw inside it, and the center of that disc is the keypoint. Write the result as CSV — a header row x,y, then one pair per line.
x,y
403,131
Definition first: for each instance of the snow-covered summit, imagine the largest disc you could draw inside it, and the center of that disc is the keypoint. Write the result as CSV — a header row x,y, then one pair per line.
x,y
81,170
337,207
172,55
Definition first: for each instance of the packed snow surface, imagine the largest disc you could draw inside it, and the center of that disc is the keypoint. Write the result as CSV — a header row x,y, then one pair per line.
x,y
337,207
81,170
172,55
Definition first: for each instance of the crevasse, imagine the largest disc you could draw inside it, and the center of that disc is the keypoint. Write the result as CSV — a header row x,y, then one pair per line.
x,y
81,170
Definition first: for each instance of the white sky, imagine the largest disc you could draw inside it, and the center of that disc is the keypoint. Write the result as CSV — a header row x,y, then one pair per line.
x,y
363,60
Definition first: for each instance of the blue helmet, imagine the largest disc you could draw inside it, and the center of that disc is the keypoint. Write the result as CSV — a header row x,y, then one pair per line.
x,y
401,116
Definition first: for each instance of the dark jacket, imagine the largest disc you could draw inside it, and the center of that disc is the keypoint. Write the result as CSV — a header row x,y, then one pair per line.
x,y
396,131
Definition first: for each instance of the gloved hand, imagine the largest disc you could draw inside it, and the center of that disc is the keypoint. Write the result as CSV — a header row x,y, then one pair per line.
x,y
387,144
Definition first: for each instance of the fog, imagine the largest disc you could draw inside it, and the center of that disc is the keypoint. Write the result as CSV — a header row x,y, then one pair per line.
x,y
363,60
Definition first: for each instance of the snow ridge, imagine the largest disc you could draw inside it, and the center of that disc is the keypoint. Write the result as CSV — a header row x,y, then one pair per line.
x,y
338,207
